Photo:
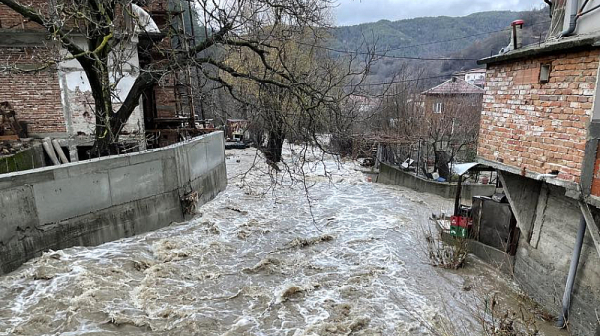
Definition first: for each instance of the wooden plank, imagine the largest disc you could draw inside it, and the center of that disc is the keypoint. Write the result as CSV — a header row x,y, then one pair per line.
x,y
47,144
9,137
539,217
591,224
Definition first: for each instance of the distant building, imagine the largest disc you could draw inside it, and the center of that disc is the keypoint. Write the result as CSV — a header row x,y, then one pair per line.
x,y
453,94
473,76
540,127
451,121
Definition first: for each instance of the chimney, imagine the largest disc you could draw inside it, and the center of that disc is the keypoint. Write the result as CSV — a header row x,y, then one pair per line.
x,y
517,34
516,38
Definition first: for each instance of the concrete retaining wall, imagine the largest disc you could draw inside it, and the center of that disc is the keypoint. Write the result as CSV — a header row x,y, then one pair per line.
x,y
92,202
549,223
392,175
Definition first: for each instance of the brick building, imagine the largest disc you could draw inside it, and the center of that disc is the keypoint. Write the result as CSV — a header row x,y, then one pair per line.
x,y
451,121
454,94
56,101
540,129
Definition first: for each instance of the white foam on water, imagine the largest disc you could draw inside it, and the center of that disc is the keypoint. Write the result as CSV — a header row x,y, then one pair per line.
x,y
257,261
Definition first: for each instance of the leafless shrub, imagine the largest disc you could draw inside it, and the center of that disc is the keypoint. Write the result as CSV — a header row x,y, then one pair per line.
x,y
449,253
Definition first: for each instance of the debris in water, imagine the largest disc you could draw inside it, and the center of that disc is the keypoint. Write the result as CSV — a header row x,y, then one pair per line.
x,y
289,293
43,273
141,265
268,265
305,242
243,212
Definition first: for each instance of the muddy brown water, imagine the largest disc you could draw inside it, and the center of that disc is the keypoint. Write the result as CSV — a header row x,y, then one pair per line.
x,y
256,262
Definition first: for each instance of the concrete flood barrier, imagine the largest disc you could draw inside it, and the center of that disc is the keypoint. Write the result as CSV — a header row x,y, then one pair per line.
x,y
96,201
391,175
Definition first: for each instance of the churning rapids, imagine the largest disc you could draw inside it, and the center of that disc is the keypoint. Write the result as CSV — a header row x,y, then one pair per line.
x,y
254,262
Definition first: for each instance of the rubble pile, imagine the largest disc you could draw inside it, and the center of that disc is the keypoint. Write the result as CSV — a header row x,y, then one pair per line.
x,y
12,147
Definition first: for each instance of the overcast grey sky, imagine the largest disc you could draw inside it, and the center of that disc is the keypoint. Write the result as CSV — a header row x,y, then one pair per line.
x,y
350,12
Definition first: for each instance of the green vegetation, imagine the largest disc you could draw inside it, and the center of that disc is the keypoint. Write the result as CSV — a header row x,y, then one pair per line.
x,y
24,160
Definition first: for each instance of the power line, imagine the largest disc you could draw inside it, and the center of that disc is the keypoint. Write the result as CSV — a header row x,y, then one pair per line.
x,y
418,58
462,37
387,56
417,45
404,81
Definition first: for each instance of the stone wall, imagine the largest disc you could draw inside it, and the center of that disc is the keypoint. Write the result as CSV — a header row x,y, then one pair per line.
x,y
539,127
96,201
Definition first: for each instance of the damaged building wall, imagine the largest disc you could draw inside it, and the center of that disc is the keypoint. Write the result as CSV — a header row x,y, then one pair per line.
x,y
56,101
100,200
545,249
76,94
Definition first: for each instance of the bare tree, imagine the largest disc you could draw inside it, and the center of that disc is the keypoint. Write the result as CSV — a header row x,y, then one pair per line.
x,y
413,125
96,33
453,130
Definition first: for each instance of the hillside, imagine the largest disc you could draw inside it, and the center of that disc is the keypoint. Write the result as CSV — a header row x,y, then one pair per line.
x,y
474,36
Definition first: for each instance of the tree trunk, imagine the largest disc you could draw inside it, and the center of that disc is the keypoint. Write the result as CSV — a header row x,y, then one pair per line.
x,y
441,159
108,123
97,73
275,145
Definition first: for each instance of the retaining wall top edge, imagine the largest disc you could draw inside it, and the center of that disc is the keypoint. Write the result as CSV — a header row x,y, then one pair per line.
x,y
107,158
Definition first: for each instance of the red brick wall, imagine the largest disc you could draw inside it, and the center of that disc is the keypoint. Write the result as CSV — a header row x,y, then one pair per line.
x,y
166,101
539,127
10,19
34,96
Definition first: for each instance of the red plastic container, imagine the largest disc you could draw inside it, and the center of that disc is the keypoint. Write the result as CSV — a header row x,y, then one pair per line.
x,y
460,221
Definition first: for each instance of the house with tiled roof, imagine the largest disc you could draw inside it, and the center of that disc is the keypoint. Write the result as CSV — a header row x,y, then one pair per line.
x,y
453,94
451,121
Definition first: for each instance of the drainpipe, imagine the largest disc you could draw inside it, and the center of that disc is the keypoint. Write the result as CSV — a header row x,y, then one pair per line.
x,y
572,19
564,316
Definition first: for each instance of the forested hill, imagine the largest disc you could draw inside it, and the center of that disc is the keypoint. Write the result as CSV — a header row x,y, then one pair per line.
x,y
470,36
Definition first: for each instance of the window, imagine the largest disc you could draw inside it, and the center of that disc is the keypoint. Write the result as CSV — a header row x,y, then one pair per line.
x,y
545,73
438,107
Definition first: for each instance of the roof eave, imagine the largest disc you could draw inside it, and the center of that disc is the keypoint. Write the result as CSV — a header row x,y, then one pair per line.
x,y
547,48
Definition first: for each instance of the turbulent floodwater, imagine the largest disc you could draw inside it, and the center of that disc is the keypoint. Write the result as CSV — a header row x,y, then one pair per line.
x,y
257,262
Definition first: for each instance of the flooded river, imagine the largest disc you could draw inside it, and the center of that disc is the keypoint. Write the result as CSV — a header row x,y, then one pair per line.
x,y
259,260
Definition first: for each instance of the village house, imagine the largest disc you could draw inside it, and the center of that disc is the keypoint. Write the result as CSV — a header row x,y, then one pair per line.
x,y
453,94
540,128
451,121
56,101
